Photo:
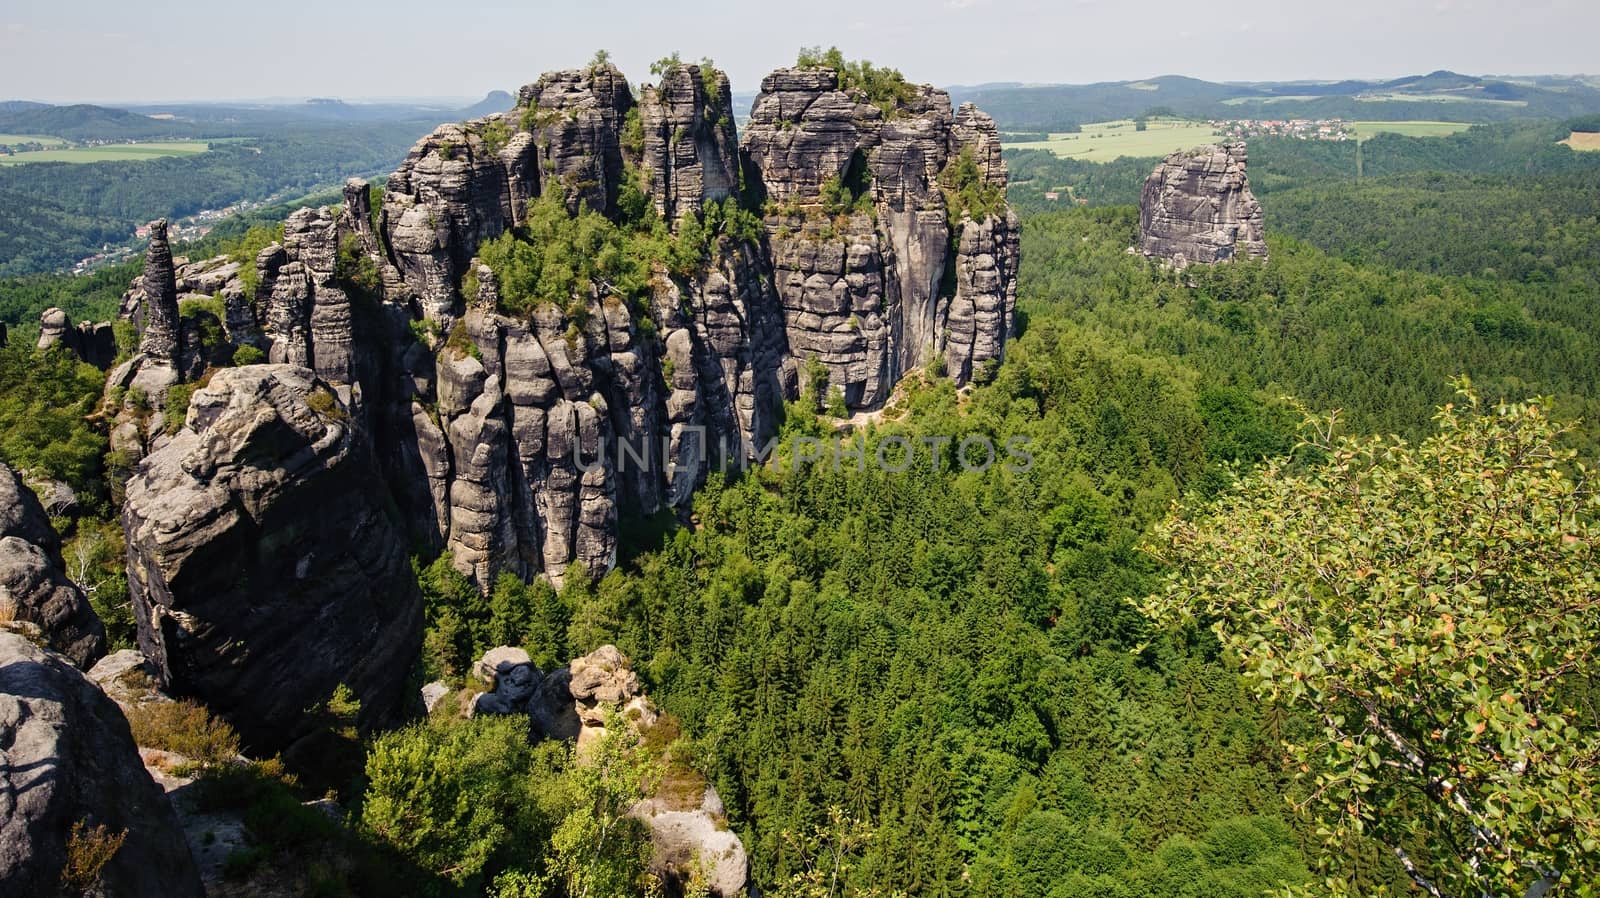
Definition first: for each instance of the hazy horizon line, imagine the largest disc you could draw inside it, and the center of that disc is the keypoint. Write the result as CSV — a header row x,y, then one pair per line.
x,y
449,100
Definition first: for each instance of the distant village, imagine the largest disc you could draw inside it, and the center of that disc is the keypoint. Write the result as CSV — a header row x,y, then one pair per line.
x,y
1302,129
192,227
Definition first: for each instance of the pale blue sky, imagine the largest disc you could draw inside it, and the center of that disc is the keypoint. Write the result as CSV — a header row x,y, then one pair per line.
x,y
124,50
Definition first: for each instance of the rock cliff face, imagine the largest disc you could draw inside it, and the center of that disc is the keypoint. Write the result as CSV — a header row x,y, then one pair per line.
x,y
516,441
861,231
517,424
1197,208
265,567
34,588
67,759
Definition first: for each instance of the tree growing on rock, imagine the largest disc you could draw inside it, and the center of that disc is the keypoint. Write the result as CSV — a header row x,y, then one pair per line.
x,y
1436,609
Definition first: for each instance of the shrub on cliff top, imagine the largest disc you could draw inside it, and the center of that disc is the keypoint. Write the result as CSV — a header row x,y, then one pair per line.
x,y
884,88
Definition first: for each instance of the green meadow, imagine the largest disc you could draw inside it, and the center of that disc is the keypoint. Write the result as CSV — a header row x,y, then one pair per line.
x,y
1365,130
1108,141
131,152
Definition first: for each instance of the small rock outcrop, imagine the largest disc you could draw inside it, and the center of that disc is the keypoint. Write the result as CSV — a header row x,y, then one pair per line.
x,y
34,588
603,683
264,564
69,769
512,679
1197,208
687,821
688,839
127,677
92,343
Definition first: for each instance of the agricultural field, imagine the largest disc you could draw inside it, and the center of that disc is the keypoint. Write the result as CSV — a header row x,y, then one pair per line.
x,y
1108,141
130,152
1364,130
1584,141
1436,98
13,139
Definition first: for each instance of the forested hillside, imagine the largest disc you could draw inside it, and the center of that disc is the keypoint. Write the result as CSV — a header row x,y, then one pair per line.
x,y
1377,342
52,214
1440,95
954,654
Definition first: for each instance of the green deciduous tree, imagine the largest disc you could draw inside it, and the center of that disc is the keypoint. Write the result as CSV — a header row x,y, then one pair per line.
x,y
1436,608
597,850
461,798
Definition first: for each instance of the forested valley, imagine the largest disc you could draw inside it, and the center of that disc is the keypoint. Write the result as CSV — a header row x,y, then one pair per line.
x,y
943,680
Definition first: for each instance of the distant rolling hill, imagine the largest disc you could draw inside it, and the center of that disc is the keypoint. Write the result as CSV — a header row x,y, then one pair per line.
x,y
84,122
1439,96
9,106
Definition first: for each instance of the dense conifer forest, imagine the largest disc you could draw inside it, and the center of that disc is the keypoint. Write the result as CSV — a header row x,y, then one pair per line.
x,y
944,680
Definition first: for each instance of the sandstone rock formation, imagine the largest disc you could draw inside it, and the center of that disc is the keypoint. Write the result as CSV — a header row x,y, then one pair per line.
x,y
127,677
516,426
264,564
90,342
136,390
516,441
161,339
1197,208
512,678
67,759
603,683
34,588
860,231
687,838
690,149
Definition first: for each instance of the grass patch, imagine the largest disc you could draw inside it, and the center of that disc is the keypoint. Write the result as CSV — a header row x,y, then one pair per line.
x,y
324,403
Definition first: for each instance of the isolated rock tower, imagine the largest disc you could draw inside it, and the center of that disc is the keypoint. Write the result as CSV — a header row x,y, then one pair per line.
x,y
1197,208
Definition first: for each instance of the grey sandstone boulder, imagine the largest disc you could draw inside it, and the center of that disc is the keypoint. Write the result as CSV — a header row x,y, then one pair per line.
x,y
68,760
513,680
265,567
34,587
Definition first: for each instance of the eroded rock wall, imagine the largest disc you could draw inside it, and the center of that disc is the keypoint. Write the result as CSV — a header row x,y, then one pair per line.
x,y
34,587
516,441
861,230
